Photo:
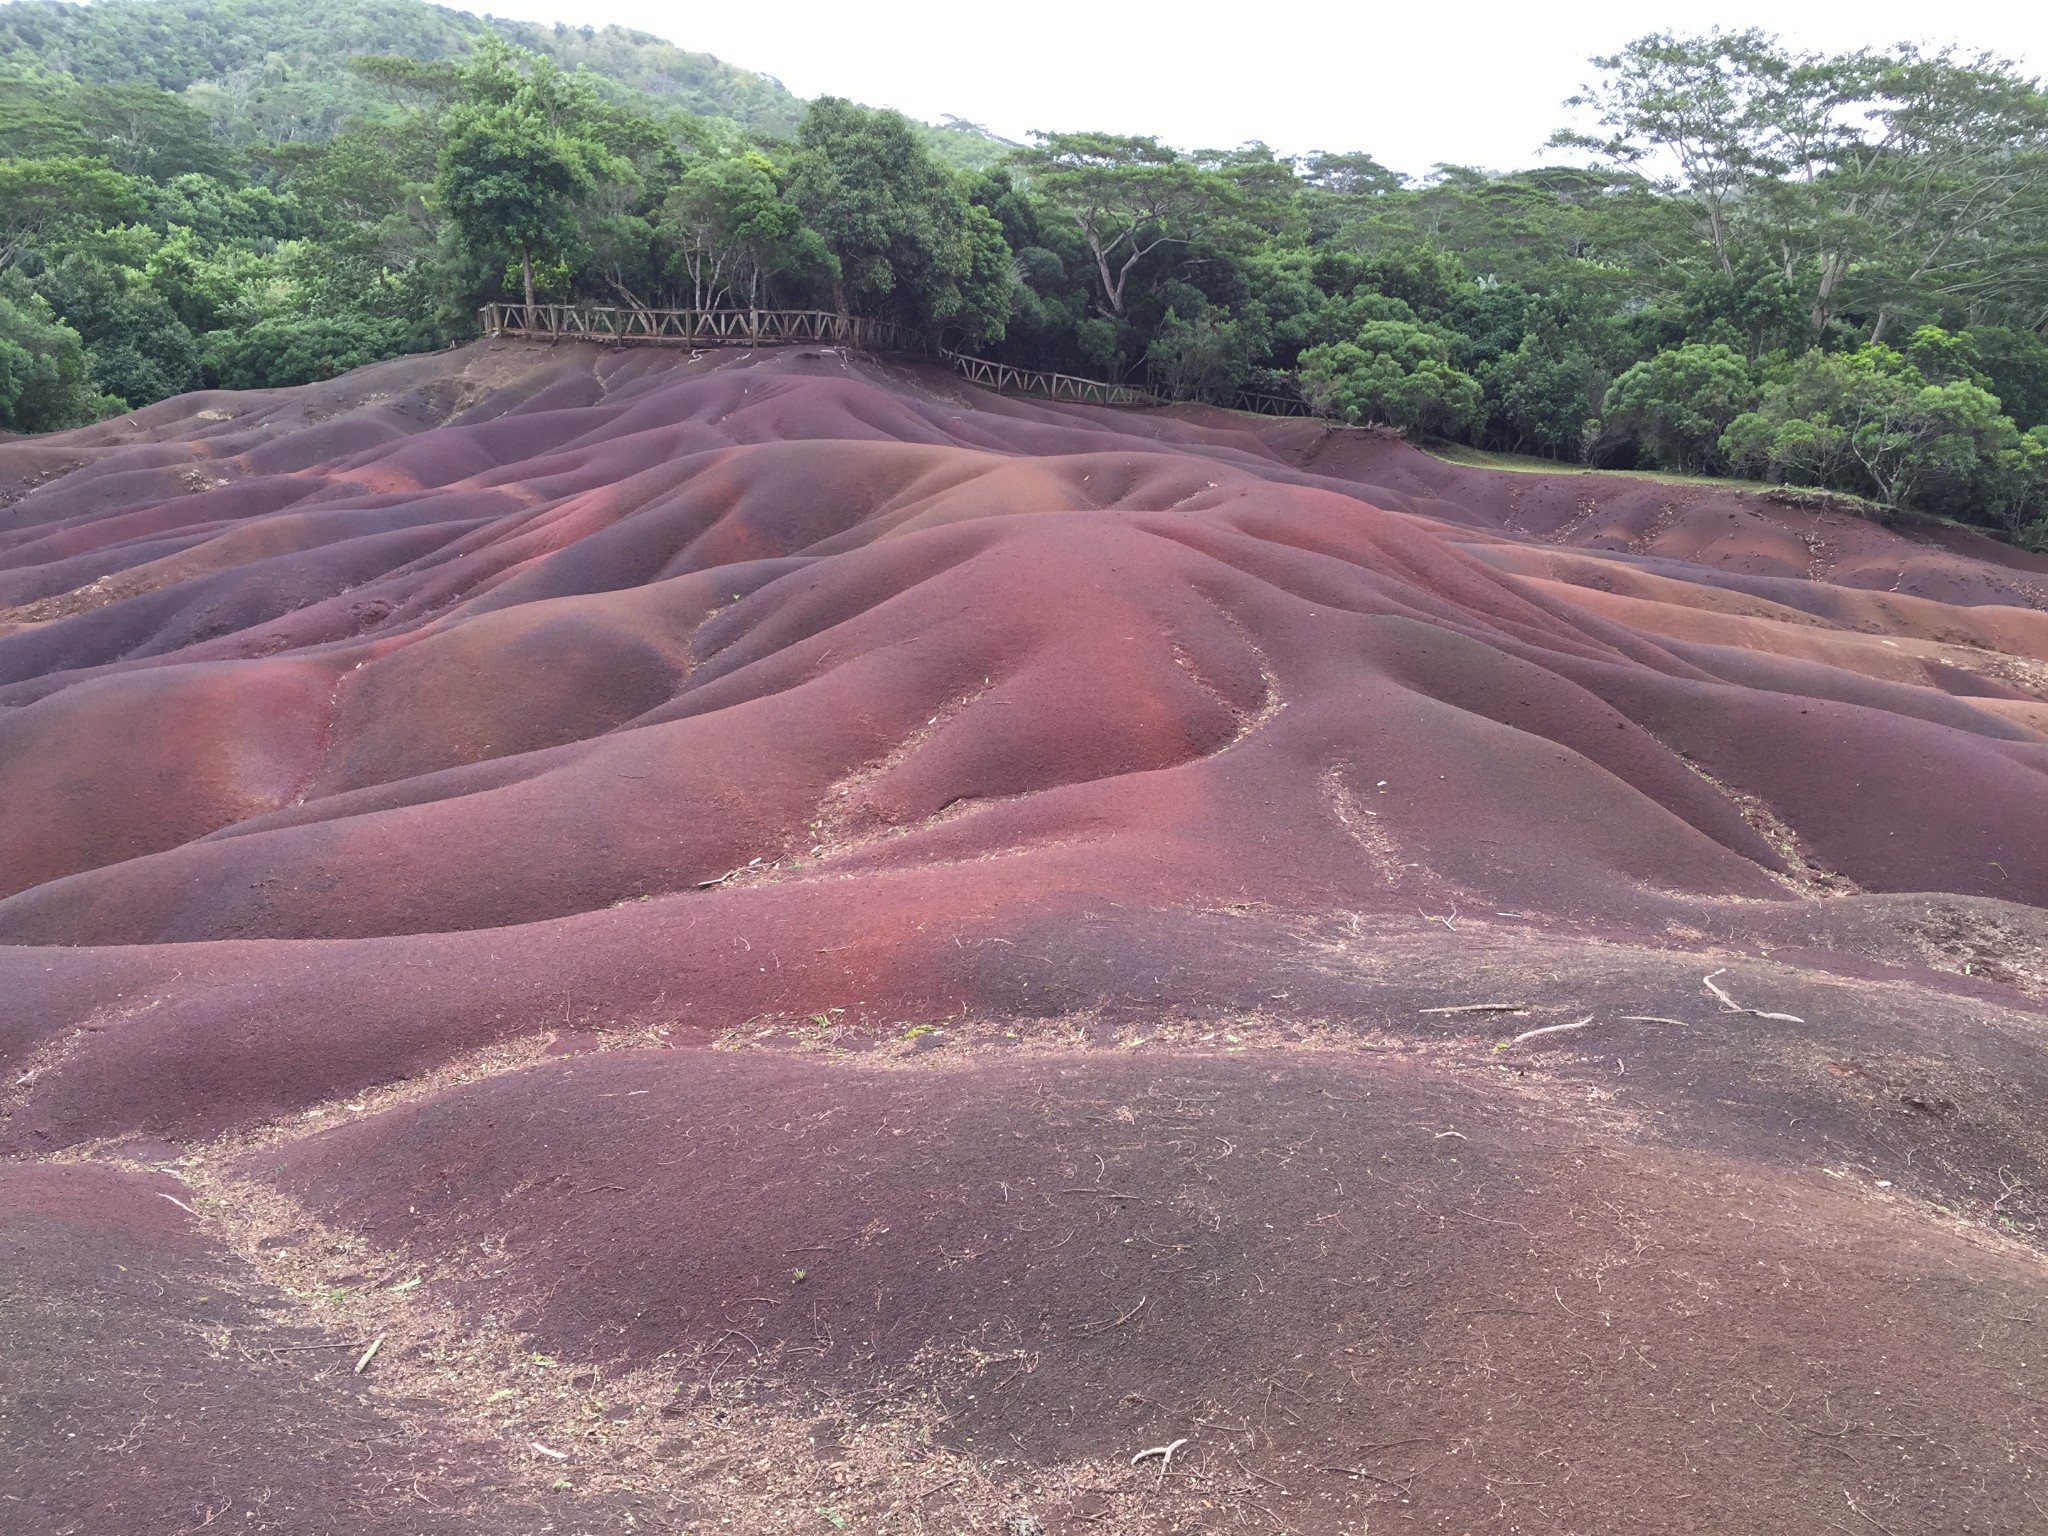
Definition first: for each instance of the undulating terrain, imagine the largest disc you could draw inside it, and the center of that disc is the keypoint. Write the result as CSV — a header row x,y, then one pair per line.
x,y
637,941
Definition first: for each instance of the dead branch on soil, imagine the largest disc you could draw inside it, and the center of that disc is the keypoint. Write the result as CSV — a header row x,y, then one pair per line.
x,y
1552,1029
1163,1451
1480,1008
1090,1330
1858,1509
1165,1455
1733,1006
1371,1477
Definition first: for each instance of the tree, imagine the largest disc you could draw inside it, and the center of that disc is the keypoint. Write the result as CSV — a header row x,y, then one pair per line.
x,y
278,352
1205,358
1678,403
1394,372
1870,421
1714,120
1945,196
733,228
137,347
1355,174
908,243
1536,399
1129,197
43,202
2016,482
1880,183
44,382
520,152
2015,363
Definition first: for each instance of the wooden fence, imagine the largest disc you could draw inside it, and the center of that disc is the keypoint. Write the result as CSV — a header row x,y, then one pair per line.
x,y
1271,405
1058,386
818,327
699,327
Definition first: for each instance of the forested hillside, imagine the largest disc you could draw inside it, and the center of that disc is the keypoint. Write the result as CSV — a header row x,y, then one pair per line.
x,y
277,70
1826,271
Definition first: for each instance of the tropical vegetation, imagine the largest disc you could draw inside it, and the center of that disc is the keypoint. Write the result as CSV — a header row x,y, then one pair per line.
x,y
1829,271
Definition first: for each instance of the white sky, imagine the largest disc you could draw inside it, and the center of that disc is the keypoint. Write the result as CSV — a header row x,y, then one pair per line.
x,y
1414,84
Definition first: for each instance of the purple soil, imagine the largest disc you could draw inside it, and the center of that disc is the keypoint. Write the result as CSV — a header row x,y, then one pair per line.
x,y
1320,1263
349,731
627,624
144,1389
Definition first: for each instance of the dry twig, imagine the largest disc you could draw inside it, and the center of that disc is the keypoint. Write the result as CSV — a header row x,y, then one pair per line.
x,y
1091,1329
1165,1455
1370,1477
1551,1029
1733,1006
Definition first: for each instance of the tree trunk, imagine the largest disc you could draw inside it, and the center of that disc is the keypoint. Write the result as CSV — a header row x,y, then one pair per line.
x,y
1832,268
526,274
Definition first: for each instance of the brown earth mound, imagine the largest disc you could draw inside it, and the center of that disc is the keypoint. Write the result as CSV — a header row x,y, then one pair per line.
x,y
814,948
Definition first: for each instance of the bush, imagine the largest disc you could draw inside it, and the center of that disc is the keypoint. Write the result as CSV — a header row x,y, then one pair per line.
x,y
45,385
1869,421
276,353
1397,373
1678,404
1203,358
1536,400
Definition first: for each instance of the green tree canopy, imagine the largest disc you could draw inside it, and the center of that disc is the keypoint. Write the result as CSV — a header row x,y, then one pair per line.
x,y
48,201
522,148
44,382
1394,372
908,243
1872,421
1678,403
1129,196
734,229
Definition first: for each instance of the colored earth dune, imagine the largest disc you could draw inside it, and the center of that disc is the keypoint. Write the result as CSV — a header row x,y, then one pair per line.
x,y
620,940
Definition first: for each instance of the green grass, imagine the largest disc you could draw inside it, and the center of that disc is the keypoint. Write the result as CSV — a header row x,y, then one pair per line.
x,y
1530,464
1840,501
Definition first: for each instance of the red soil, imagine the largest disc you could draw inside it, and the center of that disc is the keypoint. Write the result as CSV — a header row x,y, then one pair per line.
x,y
348,731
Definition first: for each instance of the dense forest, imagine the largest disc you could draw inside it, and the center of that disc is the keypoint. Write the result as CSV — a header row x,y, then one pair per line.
x,y
1826,271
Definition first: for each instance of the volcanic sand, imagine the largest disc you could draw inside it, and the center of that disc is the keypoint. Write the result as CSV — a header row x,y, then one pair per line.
x,y
812,948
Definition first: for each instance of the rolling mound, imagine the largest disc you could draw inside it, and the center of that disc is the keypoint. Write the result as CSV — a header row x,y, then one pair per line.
x,y
813,948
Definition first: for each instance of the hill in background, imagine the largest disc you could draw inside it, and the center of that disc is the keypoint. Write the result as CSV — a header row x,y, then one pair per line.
x,y
278,70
